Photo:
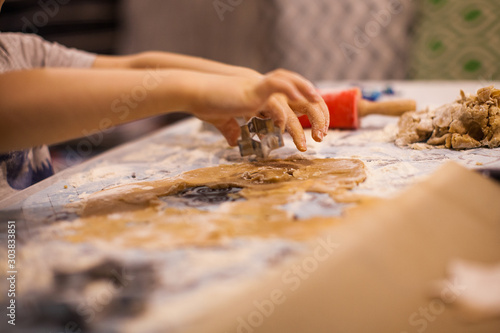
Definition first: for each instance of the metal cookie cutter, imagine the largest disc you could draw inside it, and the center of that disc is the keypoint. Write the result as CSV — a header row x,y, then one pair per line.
x,y
269,137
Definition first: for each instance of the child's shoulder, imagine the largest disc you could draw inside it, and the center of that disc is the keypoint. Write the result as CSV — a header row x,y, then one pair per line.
x,y
19,37
17,50
26,51
17,42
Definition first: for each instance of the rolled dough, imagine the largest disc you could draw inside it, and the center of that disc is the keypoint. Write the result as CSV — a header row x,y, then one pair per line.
x,y
134,215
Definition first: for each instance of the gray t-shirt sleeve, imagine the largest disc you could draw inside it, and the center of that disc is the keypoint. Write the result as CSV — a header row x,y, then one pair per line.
x,y
26,51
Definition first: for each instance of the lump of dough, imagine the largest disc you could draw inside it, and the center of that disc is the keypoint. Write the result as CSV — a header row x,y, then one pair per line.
x,y
470,122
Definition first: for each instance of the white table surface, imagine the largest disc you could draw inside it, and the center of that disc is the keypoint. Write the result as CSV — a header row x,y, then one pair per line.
x,y
185,146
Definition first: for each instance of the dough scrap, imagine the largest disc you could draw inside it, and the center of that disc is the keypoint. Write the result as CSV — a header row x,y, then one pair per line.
x,y
116,214
470,122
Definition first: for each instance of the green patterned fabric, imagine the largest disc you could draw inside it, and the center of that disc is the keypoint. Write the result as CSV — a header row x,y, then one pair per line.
x,y
457,39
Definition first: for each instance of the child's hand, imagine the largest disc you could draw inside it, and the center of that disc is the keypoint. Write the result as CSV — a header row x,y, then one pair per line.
x,y
317,112
280,95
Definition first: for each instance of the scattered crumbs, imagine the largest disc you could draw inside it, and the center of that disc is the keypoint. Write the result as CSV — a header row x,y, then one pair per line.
x,y
479,163
100,173
65,186
420,146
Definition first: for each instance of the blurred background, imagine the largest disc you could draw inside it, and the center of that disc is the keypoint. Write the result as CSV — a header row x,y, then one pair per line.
x,y
321,39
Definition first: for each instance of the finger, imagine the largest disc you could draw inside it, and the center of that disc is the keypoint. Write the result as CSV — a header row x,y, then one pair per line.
x,y
304,86
318,121
318,116
295,130
326,113
277,109
229,128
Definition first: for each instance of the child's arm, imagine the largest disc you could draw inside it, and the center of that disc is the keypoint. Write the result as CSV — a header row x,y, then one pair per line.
x,y
167,60
47,106
317,112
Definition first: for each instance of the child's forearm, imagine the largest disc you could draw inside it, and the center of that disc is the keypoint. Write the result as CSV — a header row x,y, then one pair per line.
x,y
50,106
157,59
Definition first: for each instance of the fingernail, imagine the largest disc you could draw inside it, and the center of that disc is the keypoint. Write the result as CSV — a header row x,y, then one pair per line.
x,y
303,146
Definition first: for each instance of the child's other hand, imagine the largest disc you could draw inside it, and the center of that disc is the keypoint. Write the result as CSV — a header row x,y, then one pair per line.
x,y
280,95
